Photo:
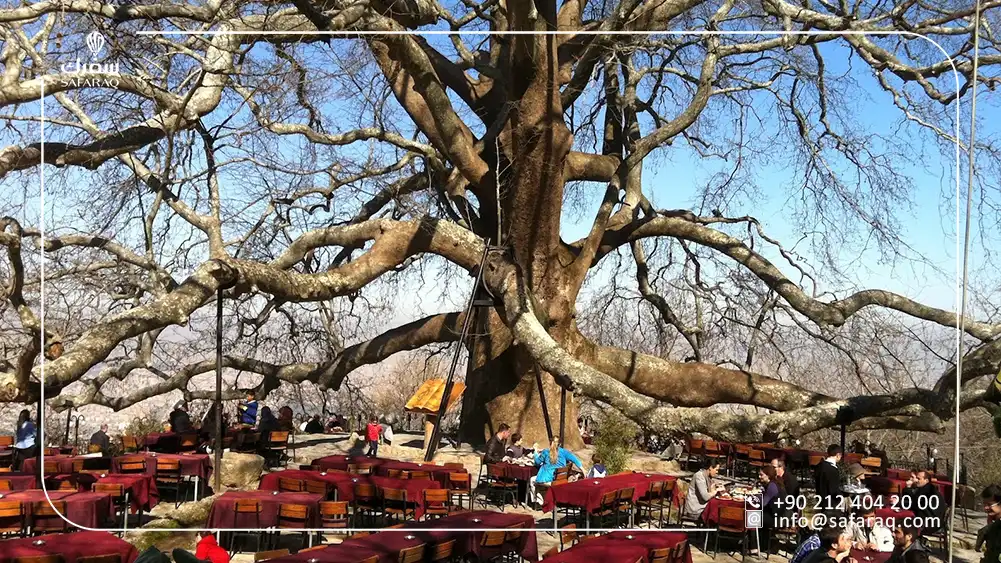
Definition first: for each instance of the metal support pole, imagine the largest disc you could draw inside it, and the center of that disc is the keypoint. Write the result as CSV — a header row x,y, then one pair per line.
x,y
220,432
545,406
563,412
76,432
69,414
844,430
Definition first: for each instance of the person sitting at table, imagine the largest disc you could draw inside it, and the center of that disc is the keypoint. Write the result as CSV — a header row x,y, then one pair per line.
x,y
496,444
702,489
268,424
24,439
907,545
598,469
990,535
925,501
866,531
827,480
548,461
335,424
789,481
516,450
286,420
101,439
179,419
248,410
808,546
314,426
856,474
835,547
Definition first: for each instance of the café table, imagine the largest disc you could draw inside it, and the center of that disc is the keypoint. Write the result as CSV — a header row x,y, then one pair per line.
x,y
223,515
710,514
20,481
619,546
344,484
83,509
521,473
198,466
586,493
382,466
142,491
72,547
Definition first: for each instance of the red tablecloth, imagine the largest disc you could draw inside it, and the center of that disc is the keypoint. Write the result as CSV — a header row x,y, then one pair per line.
x,y
881,486
886,513
64,463
586,493
387,545
223,515
381,466
20,481
710,515
143,494
865,556
620,546
71,546
86,510
163,441
192,465
345,483
519,472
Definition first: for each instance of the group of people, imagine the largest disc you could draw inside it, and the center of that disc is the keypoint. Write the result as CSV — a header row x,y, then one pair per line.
x,y
507,445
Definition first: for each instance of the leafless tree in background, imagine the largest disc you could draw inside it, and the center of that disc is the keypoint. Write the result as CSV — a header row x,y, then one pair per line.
x,y
326,179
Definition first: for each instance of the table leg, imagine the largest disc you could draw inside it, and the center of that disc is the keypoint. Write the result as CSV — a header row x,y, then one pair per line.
x,y
196,488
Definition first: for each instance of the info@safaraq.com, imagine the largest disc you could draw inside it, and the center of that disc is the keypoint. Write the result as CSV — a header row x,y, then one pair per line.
x,y
818,521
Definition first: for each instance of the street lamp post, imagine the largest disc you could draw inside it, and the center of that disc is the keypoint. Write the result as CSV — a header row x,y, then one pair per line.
x,y
76,423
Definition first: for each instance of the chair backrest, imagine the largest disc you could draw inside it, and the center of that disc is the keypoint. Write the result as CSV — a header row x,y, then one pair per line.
x,y
894,488
130,443
453,465
711,446
93,448
317,487
608,499
655,491
6,441
170,468
436,497
494,470
394,495
273,554
568,534
247,506
78,465
872,462
314,548
364,491
359,469
136,464
51,467
11,509
278,438
442,551
189,440
742,449
514,533
695,446
51,451
107,558
626,494
815,459
294,515
551,552
5,485
756,455
731,516
334,513
492,539
291,485
662,555
411,554
678,552
394,473
459,481
562,473
48,508
852,458
115,490
418,475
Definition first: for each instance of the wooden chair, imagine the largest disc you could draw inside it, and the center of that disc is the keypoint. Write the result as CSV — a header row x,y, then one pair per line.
x,y
314,548
624,504
499,484
50,468
6,470
662,555
568,536
130,444
437,503
334,515
605,510
134,464
292,517
551,552
653,501
442,551
108,558
418,475
320,488
741,459
93,448
273,554
12,518
6,441
454,465
395,505
873,465
242,508
291,485
51,451
46,519
5,485
789,535
756,459
169,478
679,552
411,554
459,486
119,498
395,474
276,449
51,558
731,523
359,469
712,450
694,452
366,501
189,442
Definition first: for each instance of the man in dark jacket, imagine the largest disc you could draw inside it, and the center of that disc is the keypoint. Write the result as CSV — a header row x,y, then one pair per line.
x,y
907,546
101,439
497,445
925,501
827,479
314,426
789,481
179,419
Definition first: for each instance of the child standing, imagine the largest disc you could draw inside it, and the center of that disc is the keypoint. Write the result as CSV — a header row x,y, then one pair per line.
x,y
372,432
597,469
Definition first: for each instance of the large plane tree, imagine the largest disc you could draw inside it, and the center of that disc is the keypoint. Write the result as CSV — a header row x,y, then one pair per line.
x,y
299,170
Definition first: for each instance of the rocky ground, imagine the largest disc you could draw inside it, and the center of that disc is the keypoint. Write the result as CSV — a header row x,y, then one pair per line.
x,y
242,471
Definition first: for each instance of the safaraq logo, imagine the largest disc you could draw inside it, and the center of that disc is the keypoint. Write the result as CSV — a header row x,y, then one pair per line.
x,y
78,74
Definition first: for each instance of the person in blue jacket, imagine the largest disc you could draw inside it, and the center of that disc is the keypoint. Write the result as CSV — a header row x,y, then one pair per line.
x,y
248,410
548,461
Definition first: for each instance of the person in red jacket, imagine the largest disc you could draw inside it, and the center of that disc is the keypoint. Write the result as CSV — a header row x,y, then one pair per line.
x,y
206,550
